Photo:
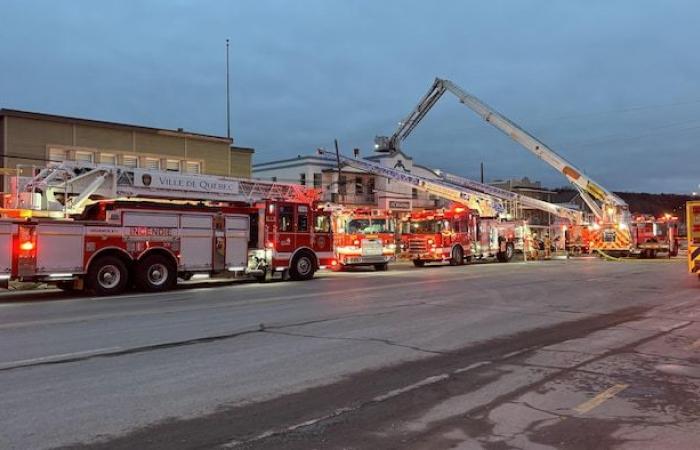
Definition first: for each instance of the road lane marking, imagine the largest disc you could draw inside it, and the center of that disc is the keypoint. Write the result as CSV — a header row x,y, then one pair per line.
x,y
600,398
340,411
58,357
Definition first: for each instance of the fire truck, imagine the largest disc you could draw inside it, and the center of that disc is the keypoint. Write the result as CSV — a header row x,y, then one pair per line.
x,y
654,235
455,235
364,237
106,228
693,221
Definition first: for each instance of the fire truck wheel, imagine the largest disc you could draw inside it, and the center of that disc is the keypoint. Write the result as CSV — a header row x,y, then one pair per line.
x,y
303,267
506,255
107,275
155,273
418,263
381,267
457,258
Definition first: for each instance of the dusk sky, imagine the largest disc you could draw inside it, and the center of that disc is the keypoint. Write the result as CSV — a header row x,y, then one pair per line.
x,y
613,86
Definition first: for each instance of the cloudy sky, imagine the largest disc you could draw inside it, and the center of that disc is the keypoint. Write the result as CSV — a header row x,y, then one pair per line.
x,y
614,86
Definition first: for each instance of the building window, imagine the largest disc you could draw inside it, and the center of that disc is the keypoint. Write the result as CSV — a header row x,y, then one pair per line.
x,y
108,158
414,193
318,180
84,156
193,167
172,165
302,179
274,179
359,186
342,184
370,186
57,155
152,163
130,161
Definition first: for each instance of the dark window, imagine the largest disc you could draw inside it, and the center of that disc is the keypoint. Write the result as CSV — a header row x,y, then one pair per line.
x,y
359,186
274,179
370,186
318,179
302,218
286,218
302,179
414,193
342,184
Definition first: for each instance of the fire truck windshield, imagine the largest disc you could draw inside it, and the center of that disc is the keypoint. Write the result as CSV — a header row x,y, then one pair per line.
x,y
368,226
431,226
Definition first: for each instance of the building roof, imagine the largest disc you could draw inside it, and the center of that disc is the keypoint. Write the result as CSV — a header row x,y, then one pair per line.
x,y
113,125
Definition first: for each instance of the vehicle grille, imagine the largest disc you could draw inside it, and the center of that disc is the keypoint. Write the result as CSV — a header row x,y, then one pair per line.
x,y
417,245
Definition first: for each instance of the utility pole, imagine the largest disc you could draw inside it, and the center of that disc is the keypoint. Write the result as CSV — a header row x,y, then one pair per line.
x,y
482,173
228,96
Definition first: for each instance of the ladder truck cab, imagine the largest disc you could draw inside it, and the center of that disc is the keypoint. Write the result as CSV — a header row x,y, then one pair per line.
x,y
455,235
150,227
655,235
364,237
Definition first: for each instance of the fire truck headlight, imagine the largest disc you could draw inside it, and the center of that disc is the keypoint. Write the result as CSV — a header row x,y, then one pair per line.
x,y
430,241
356,242
268,254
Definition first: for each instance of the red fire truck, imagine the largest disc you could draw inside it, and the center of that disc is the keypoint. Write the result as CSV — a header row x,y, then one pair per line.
x,y
654,235
454,235
147,230
364,237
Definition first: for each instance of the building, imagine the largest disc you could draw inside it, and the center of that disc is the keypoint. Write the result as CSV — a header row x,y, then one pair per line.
x,y
32,139
534,189
352,187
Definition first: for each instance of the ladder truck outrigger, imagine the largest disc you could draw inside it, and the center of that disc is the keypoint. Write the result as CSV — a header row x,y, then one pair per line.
x,y
472,228
610,233
107,228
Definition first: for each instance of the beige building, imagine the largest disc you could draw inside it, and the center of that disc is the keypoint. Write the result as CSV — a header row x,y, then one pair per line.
x,y
30,138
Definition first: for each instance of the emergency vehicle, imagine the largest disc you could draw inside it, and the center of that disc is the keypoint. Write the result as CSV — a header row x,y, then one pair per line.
x,y
693,221
107,228
455,235
654,235
364,237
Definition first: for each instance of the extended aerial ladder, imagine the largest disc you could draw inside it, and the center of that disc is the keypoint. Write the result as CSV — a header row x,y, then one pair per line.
x,y
485,204
65,188
612,212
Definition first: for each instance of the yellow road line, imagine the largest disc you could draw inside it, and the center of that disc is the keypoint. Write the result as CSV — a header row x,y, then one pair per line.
x,y
600,398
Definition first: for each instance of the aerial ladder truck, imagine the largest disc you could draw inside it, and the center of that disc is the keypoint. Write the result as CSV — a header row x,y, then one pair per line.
x,y
610,233
107,228
473,227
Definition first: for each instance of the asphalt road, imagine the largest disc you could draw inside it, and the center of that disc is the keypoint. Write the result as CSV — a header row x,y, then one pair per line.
x,y
560,354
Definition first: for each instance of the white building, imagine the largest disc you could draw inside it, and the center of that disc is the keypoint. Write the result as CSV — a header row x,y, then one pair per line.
x,y
353,188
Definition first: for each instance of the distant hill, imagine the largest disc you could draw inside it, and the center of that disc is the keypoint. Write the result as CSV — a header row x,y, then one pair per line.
x,y
646,203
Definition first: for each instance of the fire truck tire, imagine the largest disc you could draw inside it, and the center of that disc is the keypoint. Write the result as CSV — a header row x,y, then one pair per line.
x,y
381,267
155,273
418,263
507,255
107,275
303,266
457,258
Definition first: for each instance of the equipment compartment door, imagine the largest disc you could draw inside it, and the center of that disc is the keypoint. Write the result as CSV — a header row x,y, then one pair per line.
x,y
59,248
196,237
237,233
